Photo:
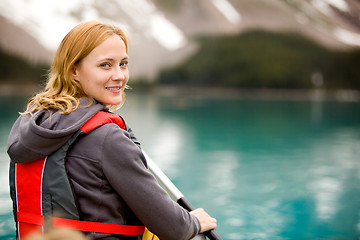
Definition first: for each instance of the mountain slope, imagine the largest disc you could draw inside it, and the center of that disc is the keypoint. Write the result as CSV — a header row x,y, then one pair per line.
x,y
321,20
17,41
161,32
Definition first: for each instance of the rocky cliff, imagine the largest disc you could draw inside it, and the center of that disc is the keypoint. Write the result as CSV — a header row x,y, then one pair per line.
x,y
162,32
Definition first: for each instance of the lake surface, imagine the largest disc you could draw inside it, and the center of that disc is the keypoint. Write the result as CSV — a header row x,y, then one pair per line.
x,y
266,169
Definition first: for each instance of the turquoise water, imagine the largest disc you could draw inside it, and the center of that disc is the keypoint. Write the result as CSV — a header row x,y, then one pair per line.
x,y
265,169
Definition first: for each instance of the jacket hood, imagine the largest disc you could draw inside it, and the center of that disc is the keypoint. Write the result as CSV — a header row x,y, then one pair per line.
x,y
40,134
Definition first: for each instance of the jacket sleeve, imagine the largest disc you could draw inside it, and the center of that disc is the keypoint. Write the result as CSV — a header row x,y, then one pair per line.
x,y
132,135
125,168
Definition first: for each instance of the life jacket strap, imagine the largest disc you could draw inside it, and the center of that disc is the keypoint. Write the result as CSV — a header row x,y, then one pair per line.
x,y
101,118
84,226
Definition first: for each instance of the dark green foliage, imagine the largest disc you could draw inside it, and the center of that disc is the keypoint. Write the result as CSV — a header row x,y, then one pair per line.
x,y
17,70
343,70
261,59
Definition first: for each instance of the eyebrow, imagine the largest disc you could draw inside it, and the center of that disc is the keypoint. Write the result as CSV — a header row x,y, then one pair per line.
x,y
112,60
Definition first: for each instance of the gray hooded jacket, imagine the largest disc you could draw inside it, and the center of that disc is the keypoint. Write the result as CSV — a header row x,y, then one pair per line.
x,y
107,171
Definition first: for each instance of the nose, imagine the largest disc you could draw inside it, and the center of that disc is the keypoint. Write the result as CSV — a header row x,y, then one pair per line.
x,y
118,74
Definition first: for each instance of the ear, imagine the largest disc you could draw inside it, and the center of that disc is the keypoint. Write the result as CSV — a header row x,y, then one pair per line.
x,y
74,73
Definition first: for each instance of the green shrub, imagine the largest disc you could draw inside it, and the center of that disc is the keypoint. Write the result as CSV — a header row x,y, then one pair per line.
x,y
260,59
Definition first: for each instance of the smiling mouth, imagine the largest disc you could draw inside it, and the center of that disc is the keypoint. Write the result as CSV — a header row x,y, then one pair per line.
x,y
113,88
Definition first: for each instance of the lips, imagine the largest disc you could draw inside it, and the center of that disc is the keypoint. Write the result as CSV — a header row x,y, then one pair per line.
x,y
114,89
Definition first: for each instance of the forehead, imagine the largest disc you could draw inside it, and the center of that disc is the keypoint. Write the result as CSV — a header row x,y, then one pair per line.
x,y
113,47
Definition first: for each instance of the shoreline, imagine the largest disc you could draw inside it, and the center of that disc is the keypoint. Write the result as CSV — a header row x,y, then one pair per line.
x,y
342,95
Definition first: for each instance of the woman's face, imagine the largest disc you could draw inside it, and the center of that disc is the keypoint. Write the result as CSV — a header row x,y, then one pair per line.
x,y
103,73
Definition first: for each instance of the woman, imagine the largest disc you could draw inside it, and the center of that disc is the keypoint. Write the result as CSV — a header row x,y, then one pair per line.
x,y
106,168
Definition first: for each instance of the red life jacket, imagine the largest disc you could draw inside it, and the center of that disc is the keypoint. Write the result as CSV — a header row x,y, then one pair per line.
x,y
41,191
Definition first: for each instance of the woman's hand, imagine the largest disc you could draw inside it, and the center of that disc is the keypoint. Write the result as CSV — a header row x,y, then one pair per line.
x,y
206,222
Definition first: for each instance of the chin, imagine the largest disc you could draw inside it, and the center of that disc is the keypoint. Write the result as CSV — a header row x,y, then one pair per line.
x,y
114,103
113,100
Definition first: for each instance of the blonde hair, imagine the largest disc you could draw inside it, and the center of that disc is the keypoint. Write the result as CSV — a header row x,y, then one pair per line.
x,y
61,91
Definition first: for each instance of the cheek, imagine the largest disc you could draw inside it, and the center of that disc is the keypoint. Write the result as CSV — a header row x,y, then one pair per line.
x,y
88,81
92,77
127,76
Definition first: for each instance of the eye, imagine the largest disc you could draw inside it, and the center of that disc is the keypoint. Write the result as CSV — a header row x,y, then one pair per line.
x,y
124,64
105,65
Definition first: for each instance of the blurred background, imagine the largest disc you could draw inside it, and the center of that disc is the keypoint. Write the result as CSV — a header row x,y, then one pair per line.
x,y
250,106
